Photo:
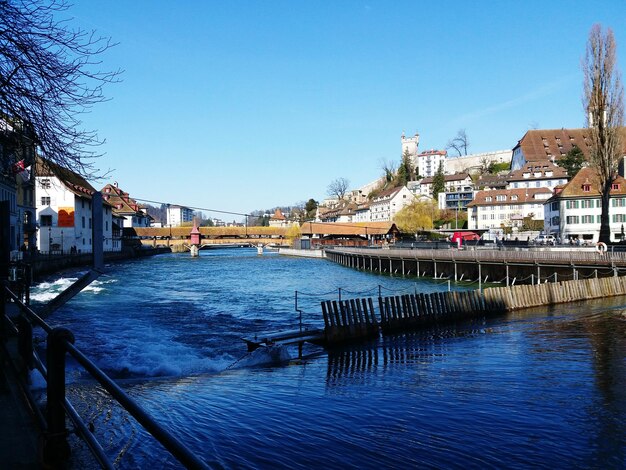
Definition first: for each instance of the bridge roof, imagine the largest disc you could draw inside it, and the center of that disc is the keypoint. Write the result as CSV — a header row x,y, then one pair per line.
x,y
356,228
211,231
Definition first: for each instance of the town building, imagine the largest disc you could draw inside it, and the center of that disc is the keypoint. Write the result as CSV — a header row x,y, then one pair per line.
x,y
549,144
17,183
64,211
537,174
506,208
126,208
573,212
278,219
452,183
388,203
178,215
362,213
428,162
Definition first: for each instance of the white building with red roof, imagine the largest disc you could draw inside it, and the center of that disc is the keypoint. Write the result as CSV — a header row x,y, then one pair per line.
x,y
64,212
499,208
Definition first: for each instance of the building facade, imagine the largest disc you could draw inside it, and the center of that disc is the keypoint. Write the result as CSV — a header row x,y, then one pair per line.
x,y
428,162
64,211
387,204
178,215
504,208
573,213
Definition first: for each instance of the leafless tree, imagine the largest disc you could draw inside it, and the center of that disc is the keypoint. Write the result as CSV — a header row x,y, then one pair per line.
x,y
459,144
603,101
389,170
338,188
49,77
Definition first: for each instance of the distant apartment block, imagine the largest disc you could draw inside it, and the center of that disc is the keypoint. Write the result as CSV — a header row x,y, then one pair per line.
x,y
178,215
428,162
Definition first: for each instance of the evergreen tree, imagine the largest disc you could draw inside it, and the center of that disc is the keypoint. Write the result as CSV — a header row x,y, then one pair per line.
x,y
573,161
439,182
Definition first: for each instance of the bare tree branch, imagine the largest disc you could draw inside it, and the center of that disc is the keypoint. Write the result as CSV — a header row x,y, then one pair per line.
x,y
459,144
338,188
49,77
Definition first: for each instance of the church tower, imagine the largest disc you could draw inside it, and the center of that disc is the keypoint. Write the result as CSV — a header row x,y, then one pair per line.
x,y
411,144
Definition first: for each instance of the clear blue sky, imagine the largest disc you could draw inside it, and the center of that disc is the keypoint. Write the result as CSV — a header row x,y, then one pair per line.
x,y
242,105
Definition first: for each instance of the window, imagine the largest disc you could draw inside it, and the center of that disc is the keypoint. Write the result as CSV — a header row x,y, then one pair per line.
x,y
46,221
514,197
587,219
89,222
106,225
45,200
586,188
83,225
571,204
617,202
501,198
619,217
572,219
488,199
586,203
615,186
45,183
555,206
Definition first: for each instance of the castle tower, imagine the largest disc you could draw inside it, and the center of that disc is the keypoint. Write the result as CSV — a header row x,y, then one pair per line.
x,y
411,144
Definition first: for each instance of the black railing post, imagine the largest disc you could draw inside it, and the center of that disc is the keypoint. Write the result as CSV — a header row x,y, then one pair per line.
x,y
3,306
56,448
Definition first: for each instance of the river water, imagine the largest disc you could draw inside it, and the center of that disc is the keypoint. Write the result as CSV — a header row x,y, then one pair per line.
x,y
542,388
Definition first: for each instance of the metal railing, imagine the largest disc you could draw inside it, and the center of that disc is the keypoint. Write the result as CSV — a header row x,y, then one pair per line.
x,y
60,342
497,256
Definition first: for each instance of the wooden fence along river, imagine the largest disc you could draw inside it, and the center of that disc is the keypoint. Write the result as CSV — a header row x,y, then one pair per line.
x,y
355,319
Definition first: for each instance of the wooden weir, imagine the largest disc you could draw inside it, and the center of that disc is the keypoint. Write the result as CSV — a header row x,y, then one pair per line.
x,y
352,320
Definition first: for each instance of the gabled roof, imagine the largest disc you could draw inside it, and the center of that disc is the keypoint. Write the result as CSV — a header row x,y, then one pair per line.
x,y
72,181
427,153
537,170
278,215
546,144
387,194
122,203
511,196
587,178
492,181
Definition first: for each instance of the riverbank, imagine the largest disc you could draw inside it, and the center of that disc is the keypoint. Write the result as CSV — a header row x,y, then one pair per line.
x,y
302,253
43,265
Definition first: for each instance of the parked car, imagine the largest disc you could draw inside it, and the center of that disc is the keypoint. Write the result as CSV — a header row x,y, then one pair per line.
x,y
545,240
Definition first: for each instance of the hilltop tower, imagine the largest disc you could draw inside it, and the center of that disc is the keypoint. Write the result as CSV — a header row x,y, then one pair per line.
x,y
411,144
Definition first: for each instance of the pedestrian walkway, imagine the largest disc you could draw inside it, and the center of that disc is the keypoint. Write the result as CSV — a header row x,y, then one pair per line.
x,y
18,429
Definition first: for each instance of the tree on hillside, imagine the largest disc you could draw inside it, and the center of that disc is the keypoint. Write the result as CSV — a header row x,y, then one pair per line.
x,y
405,171
415,217
573,161
311,207
338,188
439,181
49,77
603,101
460,143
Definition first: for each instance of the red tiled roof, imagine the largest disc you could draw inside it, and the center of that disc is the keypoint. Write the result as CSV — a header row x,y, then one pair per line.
x,y
278,215
587,178
522,196
538,166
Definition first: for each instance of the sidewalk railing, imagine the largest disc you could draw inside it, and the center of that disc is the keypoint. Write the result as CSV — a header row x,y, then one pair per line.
x,y
60,342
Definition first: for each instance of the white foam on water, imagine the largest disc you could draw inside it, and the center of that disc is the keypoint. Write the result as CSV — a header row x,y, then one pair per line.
x,y
265,355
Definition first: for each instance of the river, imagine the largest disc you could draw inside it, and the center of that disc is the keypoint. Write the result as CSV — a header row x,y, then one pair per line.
x,y
542,388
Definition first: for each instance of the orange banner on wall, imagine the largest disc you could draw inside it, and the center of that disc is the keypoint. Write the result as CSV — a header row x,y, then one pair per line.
x,y
66,216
